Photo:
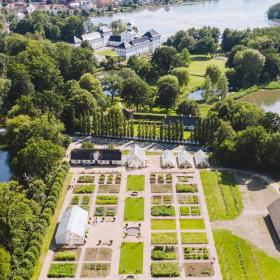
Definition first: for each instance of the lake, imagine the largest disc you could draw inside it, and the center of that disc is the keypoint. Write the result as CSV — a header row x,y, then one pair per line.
x,y
237,14
269,100
5,172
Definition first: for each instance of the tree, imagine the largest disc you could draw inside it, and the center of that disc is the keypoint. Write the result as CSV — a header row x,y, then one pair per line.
x,y
208,89
222,87
182,75
185,58
87,145
5,264
271,122
168,91
187,108
206,45
136,92
113,84
165,59
91,84
249,64
37,159
214,73
224,132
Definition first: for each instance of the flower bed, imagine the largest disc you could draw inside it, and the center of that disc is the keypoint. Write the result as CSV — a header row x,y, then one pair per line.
x,y
84,189
184,188
106,199
108,188
199,269
105,211
196,253
162,210
165,269
164,253
86,179
162,188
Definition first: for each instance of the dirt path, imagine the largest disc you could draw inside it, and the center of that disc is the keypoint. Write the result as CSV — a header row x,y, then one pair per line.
x,y
254,224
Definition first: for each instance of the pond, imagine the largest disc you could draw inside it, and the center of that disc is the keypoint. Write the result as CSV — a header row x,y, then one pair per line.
x,y
268,100
196,95
5,172
237,14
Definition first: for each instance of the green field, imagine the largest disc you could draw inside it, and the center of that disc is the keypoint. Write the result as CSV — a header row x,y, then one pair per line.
x,y
134,209
192,224
204,109
107,52
131,259
223,197
135,183
198,67
163,224
194,238
241,260
164,238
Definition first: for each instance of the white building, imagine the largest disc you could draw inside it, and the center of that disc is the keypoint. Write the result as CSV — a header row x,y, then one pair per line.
x,y
136,158
168,159
139,46
201,159
185,159
72,227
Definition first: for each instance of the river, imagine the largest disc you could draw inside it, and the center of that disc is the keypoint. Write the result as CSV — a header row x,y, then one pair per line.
x,y
5,172
237,14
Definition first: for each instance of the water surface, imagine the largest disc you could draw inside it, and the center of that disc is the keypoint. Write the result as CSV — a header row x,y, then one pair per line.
x,y
237,14
5,172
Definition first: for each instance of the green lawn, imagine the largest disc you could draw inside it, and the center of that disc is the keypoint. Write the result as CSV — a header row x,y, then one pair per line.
x,y
163,224
164,238
134,209
223,197
194,238
192,224
50,230
135,183
239,259
204,109
107,52
131,258
198,67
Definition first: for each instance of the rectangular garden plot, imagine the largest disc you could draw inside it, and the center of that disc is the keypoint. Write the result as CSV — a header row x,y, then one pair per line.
x,y
62,270
131,258
108,211
194,237
190,211
109,179
184,179
134,209
84,189
199,269
106,199
95,270
108,188
188,199
162,199
67,255
163,224
196,253
192,224
98,254
163,211
162,188
164,238
86,179
165,269
160,253
186,188
135,183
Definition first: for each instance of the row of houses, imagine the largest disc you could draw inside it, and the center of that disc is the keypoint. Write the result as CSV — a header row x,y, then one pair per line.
x,y
136,158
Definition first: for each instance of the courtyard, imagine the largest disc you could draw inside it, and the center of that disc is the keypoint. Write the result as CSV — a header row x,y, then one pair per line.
x,y
147,223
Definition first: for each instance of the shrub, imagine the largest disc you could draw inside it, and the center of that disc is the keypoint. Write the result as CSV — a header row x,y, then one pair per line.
x,y
75,200
163,210
58,270
65,256
165,269
84,189
86,179
106,199
164,253
147,116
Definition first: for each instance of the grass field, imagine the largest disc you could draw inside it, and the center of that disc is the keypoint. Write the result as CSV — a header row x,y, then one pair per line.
x,y
157,224
131,259
135,183
204,109
107,52
134,209
192,224
241,260
198,67
50,231
223,197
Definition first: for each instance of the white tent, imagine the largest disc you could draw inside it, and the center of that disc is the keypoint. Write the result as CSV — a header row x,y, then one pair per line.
x,y
201,159
72,227
136,158
185,159
168,159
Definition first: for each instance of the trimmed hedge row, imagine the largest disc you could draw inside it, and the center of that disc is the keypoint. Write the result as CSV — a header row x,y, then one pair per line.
x,y
149,116
25,268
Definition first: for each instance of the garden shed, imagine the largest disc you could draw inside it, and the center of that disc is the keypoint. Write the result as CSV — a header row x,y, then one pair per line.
x,y
168,159
201,159
72,227
136,157
185,159
274,213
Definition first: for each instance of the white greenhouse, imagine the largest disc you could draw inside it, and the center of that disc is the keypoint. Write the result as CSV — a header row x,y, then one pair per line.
x,y
72,227
168,159
201,159
136,158
185,159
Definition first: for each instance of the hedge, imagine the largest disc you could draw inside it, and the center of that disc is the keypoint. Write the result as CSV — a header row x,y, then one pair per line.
x,y
149,116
